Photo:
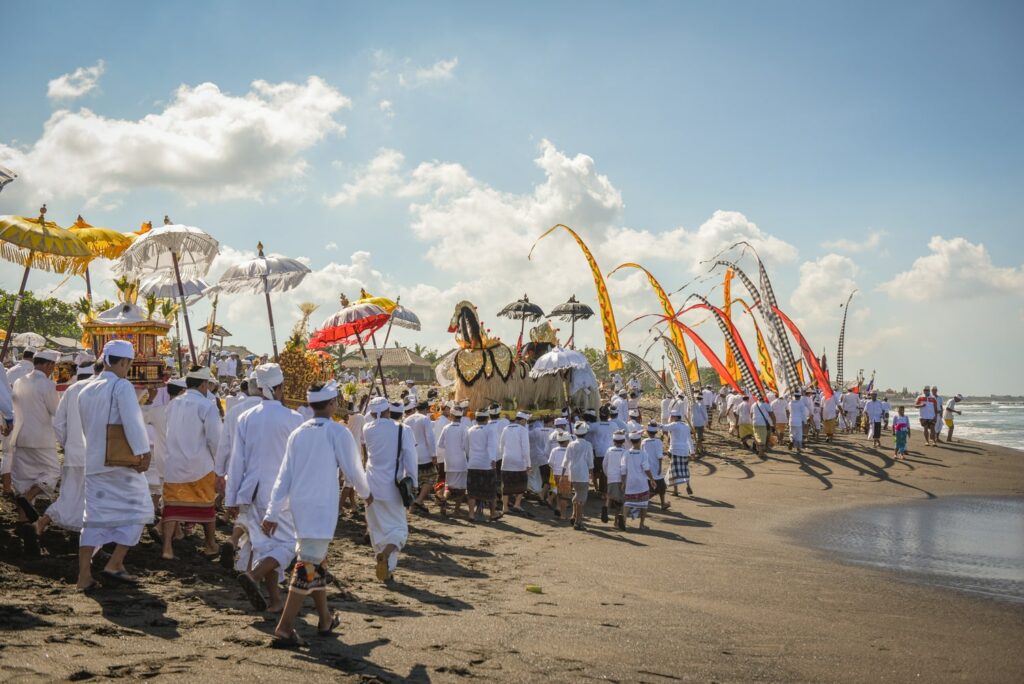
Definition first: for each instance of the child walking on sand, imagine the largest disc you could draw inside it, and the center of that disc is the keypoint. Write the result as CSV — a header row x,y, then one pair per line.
x,y
901,430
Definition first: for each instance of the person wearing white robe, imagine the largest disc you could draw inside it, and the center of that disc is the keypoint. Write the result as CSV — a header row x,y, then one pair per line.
x,y
666,407
653,449
481,481
14,373
193,431
454,446
36,467
540,451
680,449
387,519
67,511
117,501
426,454
6,404
514,454
578,466
638,480
261,436
306,492
797,418
221,461
699,421
829,412
612,465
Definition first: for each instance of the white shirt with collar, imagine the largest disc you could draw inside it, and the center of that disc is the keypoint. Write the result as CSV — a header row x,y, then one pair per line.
x,y
67,424
193,432
381,438
227,433
257,450
35,404
514,448
483,447
423,430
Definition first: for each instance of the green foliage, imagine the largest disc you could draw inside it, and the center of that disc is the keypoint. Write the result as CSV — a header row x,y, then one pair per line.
x,y
426,353
48,317
341,354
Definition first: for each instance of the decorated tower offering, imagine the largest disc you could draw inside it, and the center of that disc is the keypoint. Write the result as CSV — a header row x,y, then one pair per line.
x,y
301,368
127,321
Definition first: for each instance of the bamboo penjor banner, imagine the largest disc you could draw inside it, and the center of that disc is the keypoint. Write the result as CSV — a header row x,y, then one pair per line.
x,y
708,353
739,349
842,339
611,332
730,360
675,359
810,360
764,359
687,366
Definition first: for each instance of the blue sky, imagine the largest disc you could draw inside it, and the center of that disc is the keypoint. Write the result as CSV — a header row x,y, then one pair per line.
x,y
814,122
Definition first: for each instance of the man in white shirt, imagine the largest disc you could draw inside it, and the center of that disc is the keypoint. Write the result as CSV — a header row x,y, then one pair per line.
x,y
190,483
851,410
744,421
928,411
514,455
387,519
35,469
540,452
797,418
261,437
69,508
666,407
578,466
14,373
947,416
222,460
305,492
873,411
481,483
761,415
613,470
420,425
453,446
117,501
653,449
680,448
829,415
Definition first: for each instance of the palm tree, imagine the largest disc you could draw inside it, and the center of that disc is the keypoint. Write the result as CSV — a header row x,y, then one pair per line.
x,y
338,351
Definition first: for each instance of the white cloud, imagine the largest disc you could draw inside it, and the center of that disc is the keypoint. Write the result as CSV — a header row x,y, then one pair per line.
x,y
205,143
387,107
863,345
824,285
390,72
373,180
955,269
865,244
331,246
76,84
442,70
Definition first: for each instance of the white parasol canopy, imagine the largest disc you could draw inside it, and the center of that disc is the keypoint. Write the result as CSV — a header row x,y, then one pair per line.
x,y
163,286
558,359
29,339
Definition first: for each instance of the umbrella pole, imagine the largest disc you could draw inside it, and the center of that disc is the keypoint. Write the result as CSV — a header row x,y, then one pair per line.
x,y
362,350
270,315
380,368
184,309
177,342
572,337
14,310
522,329
88,285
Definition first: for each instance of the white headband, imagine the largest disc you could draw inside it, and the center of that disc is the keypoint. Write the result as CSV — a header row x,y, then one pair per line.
x,y
119,348
268,376
326,393
378,405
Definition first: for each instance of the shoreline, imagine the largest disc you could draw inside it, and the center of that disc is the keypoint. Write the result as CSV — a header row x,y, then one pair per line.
x,y
716,590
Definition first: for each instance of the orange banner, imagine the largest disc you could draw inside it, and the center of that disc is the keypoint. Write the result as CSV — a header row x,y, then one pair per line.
x,y
611,332
666,305
730,360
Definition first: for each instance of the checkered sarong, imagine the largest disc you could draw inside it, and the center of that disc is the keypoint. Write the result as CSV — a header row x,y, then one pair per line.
x,y
679,472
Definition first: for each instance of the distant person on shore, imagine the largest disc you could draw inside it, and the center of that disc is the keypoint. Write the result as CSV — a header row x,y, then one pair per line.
x,y
761,415
886,408
797,418
873,412
939,404
779,406
744,422
901,432
928,410
947,416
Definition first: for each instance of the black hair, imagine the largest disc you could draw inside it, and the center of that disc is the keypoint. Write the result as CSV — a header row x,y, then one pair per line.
x,y
481,417
174,390
114,360
244,386
98,366
193,383
36,361
318,405
28,354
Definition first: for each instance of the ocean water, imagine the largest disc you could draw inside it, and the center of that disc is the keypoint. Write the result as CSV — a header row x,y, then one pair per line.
x,y
999,423
973,544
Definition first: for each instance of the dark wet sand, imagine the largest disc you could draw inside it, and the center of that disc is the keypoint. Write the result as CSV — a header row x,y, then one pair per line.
x,y
717,590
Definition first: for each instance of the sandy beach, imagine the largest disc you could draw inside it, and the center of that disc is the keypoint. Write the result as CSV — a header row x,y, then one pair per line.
x,y
719,589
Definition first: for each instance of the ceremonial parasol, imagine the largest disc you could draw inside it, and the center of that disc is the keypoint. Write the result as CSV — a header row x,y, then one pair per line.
x,y
404,318
29,339
162,285
572,311
352,322
184,250
39,243
522,310
102,242
6,176
263,274
558,359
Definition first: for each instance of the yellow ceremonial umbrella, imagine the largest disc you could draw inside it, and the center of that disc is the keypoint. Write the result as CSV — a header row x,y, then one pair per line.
x,y
102,242
383,302
36,242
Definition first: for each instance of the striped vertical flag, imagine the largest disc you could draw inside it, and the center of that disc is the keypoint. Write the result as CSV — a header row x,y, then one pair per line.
x,y
6,176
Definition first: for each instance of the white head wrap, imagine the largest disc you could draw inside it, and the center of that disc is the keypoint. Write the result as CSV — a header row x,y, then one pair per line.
x,y
83,371
457,411
619,436
328,392
561,422
635,436
200,374
268,376
378,405
48,355
398,407
84,357
562,436
580,428
522,415
675,413
120,348
177,382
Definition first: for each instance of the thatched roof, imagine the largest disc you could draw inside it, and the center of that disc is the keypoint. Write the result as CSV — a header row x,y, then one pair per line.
x,y
392,357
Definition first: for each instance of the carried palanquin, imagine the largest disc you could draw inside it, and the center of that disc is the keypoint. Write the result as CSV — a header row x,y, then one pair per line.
x,y
484,370
128,321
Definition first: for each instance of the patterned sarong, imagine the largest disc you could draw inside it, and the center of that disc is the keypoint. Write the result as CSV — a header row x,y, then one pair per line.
x,y
679,471
191,502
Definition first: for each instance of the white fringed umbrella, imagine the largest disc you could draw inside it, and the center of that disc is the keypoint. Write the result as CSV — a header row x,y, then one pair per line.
x,y
264,274
184,250
557,360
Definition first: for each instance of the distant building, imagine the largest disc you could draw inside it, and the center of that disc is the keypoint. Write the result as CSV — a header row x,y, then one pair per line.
x,y
397,362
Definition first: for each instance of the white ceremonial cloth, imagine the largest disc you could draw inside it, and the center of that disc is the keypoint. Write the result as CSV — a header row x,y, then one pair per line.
x,y
35,404
514,448
680,443
381,439
261,437
155,416
116,499
6,403
193,431
453,443
227,433
67,424
307,482
798,412
652,450
613,464
578,461
483,447
635,469
540,445
423,430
